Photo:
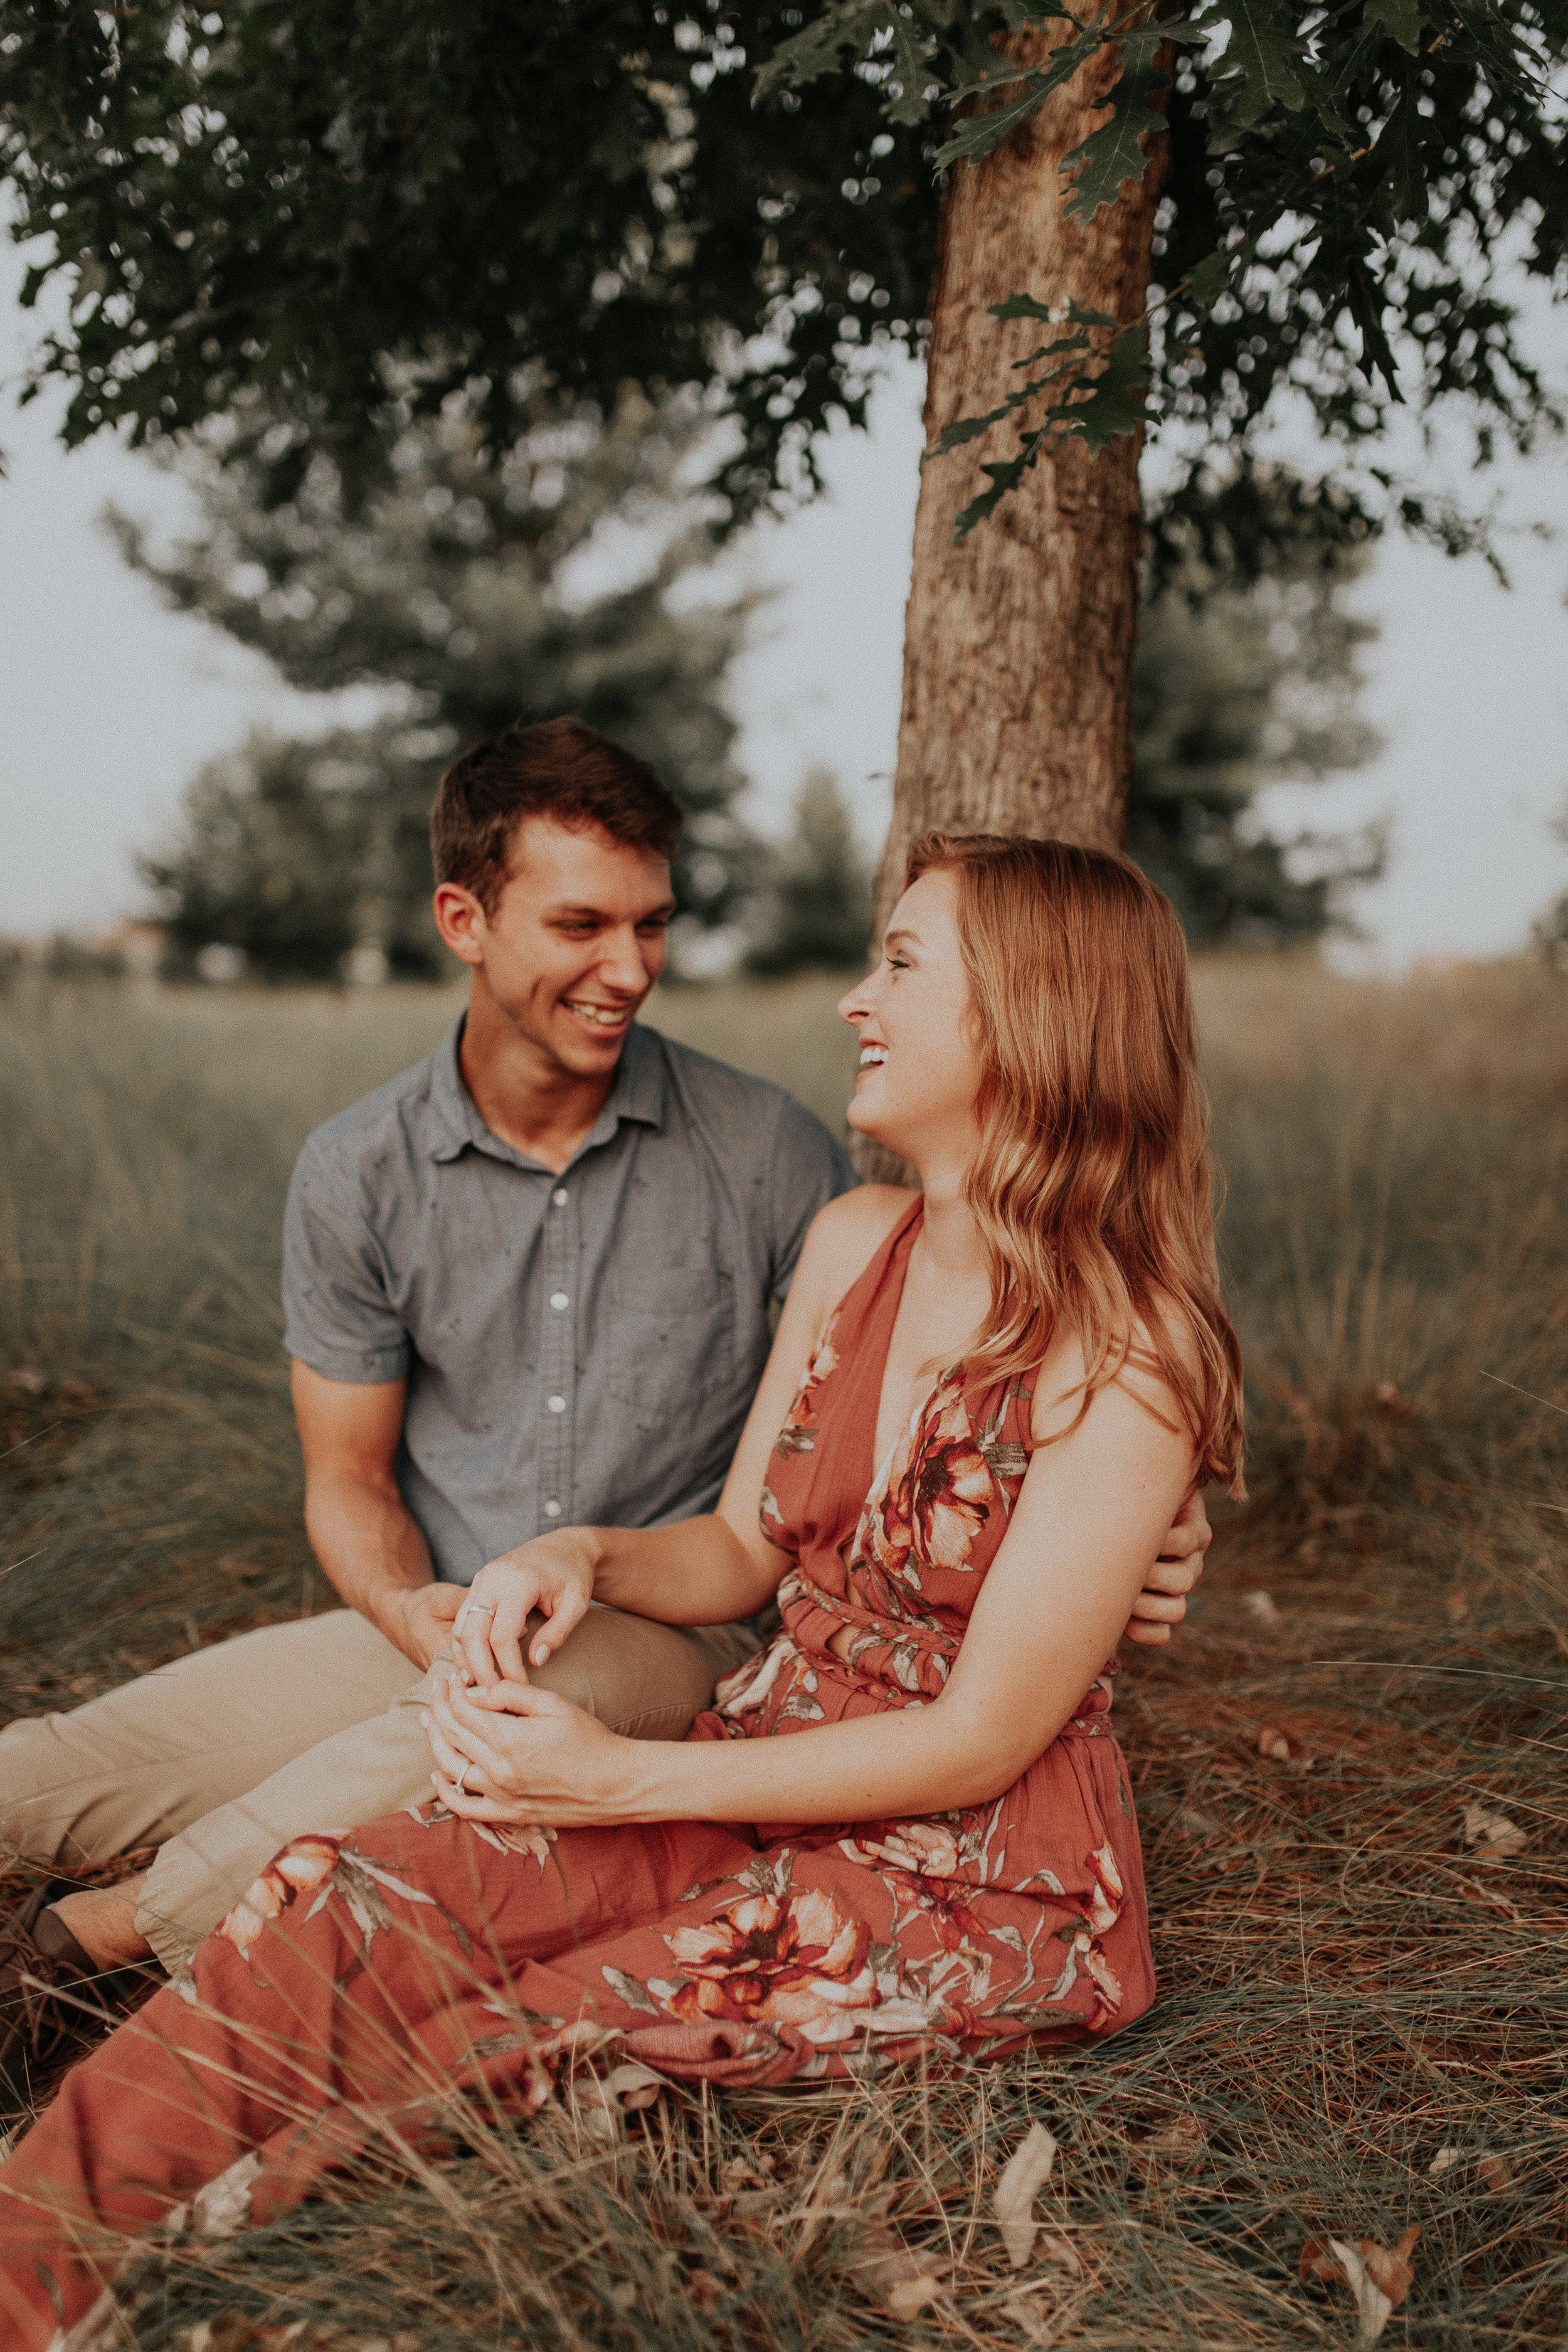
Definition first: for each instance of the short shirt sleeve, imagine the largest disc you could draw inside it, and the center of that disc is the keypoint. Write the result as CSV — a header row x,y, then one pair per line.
x,y
809,1168
340,1320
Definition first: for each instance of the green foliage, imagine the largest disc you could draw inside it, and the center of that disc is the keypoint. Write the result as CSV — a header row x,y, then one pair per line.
x,y
815,906
275,198
289,852
1098,406
1244,680
272,196
464,585
1359,164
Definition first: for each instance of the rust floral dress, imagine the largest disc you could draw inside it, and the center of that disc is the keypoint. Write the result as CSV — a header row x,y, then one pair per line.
x,y
422,1958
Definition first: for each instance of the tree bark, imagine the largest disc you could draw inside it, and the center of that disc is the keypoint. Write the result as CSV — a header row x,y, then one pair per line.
x,y
1019,642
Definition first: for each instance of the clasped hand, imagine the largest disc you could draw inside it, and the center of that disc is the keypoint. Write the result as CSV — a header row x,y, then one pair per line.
x,y
554,1574
506,1752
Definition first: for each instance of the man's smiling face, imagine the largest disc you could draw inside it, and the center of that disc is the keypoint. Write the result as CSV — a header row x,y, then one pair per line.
x,y
575,943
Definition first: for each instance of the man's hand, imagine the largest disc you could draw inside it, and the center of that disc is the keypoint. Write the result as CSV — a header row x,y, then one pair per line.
x,y
357,1520
555,1574
1164,1600
419,1620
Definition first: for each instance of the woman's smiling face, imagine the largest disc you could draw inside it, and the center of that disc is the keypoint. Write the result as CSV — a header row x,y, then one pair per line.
x,y
920,1047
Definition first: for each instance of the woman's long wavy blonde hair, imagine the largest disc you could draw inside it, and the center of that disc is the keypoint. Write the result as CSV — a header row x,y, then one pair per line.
x,y
1093,1183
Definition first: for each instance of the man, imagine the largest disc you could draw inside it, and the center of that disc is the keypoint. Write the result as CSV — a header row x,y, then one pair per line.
x,y
528,1283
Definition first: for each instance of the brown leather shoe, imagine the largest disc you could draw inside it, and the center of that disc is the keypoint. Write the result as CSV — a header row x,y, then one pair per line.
x,y
40,1959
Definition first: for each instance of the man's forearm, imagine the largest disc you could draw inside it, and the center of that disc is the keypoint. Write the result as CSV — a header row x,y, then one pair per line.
x,y
370,1546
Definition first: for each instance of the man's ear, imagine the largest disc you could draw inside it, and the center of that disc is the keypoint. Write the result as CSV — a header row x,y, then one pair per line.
x,y
460,919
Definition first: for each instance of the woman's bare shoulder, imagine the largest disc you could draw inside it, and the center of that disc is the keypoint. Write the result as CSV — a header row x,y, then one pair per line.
x,y
1059,1382
845,1235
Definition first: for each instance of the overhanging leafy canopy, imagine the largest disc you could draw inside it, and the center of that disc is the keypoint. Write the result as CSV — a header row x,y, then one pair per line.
x,y
1371,166
560,198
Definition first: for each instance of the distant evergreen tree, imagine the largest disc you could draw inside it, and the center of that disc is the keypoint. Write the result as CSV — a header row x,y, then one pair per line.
x,y
1247,675
815,907
473,592
1549,933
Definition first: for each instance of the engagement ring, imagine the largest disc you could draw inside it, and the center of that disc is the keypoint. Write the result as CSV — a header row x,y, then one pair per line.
x,y
462,1776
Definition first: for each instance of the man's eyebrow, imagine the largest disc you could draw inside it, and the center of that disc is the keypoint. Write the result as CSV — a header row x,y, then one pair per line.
x,y
560,911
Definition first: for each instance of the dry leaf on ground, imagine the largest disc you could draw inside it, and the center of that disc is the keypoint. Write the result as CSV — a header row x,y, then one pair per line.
x,y
1055,2248
1171,2150
1272,1742
1441,2161
1027,2171
1496,2172
634,2086
1378,2276
1493,1835
1317,2266
232,2333
889,2273
1261,1605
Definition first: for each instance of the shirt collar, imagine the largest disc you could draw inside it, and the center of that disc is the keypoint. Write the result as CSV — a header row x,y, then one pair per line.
x,y
637,1094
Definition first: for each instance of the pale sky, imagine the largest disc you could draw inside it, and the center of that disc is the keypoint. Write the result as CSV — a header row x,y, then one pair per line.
x,y
109,702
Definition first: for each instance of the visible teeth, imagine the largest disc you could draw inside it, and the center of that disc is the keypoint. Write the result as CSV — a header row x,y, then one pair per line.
x,y
603,1014
871,1056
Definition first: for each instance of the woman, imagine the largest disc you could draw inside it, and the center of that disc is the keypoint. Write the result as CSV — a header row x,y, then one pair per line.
x,y
1011,1381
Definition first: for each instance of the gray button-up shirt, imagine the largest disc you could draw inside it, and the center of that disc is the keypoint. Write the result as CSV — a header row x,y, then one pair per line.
x,y
579,1347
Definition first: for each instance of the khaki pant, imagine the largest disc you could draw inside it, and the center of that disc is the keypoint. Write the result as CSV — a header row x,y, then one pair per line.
x,y
223,1757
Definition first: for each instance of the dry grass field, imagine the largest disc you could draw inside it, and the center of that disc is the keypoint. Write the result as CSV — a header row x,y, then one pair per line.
x,y
1364,2026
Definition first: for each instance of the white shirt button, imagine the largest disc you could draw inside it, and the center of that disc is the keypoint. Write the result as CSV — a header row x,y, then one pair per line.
x,y
552,1510
559,1196
556,1405
558,1299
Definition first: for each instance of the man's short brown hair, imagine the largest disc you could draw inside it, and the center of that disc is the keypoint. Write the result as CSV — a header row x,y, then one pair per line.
x,y
560,768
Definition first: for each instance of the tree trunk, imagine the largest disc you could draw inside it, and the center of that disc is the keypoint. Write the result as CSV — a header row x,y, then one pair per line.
x,y
1018,641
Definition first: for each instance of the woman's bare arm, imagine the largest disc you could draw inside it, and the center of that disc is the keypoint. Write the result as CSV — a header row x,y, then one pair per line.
x,y
703,1572
1090,1516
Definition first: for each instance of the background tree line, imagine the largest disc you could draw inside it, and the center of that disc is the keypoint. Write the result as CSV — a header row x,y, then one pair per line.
x,y
475,591
315,230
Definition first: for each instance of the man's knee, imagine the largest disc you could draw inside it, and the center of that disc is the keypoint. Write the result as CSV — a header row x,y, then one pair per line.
x,y
646,1680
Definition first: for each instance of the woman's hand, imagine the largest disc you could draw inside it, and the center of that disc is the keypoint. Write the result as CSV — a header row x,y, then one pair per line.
x,y
554,1573
526,1755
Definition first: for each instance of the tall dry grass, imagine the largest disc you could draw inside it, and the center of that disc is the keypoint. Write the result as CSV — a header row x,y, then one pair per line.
x,y
1359,1969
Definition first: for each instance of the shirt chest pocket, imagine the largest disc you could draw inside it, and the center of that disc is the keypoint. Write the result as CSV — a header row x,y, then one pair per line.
x,y
672,1339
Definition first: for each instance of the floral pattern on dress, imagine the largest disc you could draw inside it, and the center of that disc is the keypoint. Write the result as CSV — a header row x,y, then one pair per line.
x,y
798,1434
425,1960
808,1950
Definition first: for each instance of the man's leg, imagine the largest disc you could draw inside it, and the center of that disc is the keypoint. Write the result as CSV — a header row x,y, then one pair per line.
x,y
142,1763
645,1680
137,1766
